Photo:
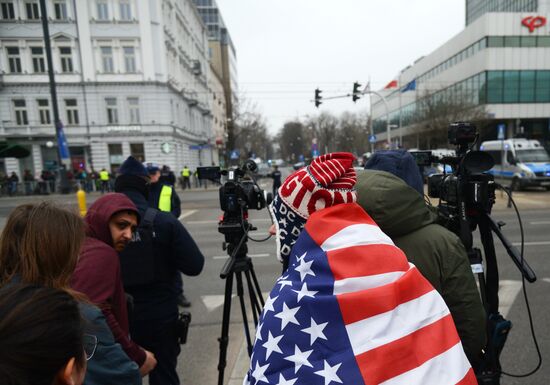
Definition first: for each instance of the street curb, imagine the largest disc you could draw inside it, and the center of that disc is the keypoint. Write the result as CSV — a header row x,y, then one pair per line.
x,y
241,366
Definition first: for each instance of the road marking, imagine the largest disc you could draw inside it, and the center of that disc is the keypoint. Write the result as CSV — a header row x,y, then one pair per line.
x,y
212,222
212,302
250,255
540,223
507,293
188,213
541,243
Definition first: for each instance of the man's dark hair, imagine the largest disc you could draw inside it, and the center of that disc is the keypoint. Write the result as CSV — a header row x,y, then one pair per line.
x,y
40,331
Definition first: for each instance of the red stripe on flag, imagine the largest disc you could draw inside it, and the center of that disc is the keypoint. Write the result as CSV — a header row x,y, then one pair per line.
x,y
409,352
325,223
367,303
469,379
365,260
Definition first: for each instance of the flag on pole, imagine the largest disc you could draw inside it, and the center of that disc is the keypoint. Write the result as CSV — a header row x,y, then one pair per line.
x,y
351,309
411,86
392,84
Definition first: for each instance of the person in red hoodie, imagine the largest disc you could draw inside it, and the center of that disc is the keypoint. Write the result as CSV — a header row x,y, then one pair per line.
x,y
110,221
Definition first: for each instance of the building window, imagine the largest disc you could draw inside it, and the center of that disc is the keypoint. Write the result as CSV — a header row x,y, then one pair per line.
x,y
102,10
130,59
133,110
20,109
542,92
112,110
32,10
44,111
71,108
7,10
38,64
14,60
137,150
107,59
66,57
60,8
125,10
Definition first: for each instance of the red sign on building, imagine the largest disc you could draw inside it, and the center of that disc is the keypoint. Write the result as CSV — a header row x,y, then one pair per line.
x,y
534,22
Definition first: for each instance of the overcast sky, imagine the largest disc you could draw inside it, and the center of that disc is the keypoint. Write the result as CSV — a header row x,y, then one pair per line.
x,y
287,48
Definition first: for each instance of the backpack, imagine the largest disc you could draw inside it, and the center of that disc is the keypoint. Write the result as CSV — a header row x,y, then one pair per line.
x,y
137,260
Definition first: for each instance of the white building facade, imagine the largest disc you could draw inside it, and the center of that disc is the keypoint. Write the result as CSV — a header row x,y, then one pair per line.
x,y
500,61
132,79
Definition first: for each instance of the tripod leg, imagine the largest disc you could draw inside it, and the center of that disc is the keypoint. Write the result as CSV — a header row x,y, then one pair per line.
x,y
224,338
253,300
240,294
491,265
256,284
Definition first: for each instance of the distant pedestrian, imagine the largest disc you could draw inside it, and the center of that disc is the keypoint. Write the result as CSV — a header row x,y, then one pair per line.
x,y
13,181
186,176
276,176
104,178
28,180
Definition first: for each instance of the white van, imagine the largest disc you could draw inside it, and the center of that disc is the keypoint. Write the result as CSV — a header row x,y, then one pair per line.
x,y
519,163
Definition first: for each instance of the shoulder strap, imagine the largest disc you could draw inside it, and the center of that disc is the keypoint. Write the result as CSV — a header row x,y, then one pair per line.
x,y
149,217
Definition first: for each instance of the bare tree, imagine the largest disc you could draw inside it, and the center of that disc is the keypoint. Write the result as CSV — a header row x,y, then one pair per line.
x,y
250,136
293,141
435,112
352,133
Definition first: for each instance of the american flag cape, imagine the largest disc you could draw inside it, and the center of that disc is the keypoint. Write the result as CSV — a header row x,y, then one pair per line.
x,y
351,309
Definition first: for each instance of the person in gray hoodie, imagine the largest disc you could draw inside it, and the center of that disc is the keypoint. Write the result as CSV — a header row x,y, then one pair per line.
x,y
391,192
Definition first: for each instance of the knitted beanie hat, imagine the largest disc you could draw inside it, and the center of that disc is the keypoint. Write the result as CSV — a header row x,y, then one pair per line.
x,y
327,181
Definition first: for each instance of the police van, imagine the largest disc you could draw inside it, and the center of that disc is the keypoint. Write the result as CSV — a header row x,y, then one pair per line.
x,y
519,163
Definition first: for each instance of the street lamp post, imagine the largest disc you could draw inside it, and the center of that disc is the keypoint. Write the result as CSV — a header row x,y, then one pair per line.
x,y
388,126
62,173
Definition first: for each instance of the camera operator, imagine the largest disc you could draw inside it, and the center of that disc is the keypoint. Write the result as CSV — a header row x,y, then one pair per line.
x,y
169,249
396,204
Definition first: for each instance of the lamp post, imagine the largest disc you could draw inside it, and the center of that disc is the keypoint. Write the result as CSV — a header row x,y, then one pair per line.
x,y
61,143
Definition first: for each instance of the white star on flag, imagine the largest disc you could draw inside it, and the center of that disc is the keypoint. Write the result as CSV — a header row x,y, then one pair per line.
x,y
269,304
272,345
282,221
259,332
329,373
299,358
284,283
304,268
283,381
259,373
288,316
304,292
315,331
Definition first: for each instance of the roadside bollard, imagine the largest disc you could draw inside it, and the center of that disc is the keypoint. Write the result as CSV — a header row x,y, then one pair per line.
x,y
81,198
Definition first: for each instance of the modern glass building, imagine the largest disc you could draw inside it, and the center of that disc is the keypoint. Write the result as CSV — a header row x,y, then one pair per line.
x,y
477,8
498,65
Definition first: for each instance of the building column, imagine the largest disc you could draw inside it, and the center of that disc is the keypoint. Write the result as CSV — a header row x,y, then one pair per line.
x,y
37,158
12,164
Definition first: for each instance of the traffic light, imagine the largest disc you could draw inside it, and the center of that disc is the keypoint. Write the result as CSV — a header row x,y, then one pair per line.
x,y
318,97
355,96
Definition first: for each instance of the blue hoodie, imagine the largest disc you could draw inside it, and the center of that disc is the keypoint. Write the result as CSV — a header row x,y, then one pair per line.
x,y
399,163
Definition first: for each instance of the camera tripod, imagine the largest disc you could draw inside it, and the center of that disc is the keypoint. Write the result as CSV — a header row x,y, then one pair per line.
x,y
477,213
236,234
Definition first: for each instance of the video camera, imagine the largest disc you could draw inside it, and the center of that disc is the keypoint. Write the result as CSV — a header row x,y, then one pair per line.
x,y
466,197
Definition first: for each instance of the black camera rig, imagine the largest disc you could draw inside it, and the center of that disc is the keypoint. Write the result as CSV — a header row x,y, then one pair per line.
x,y
466,197
237,195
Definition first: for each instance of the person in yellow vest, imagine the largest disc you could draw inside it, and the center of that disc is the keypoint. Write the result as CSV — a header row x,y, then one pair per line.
x,y
186,176
104,179
162,196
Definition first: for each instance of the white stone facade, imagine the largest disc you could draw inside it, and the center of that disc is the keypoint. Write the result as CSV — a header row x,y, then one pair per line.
x,y
132,79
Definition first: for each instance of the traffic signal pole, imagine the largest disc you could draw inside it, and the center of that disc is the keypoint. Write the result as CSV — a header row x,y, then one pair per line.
x,y
365,91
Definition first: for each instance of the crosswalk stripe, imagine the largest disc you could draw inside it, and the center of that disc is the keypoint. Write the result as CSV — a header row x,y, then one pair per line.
x,y
187,214
250,255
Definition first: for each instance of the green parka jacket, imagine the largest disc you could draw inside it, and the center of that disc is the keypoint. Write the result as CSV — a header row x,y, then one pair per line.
x,y
438,254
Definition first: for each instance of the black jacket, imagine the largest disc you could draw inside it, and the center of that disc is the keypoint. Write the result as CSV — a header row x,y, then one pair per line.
x,y
174,250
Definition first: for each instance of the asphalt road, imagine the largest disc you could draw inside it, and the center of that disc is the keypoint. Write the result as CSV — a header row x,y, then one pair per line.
x,y
199,358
